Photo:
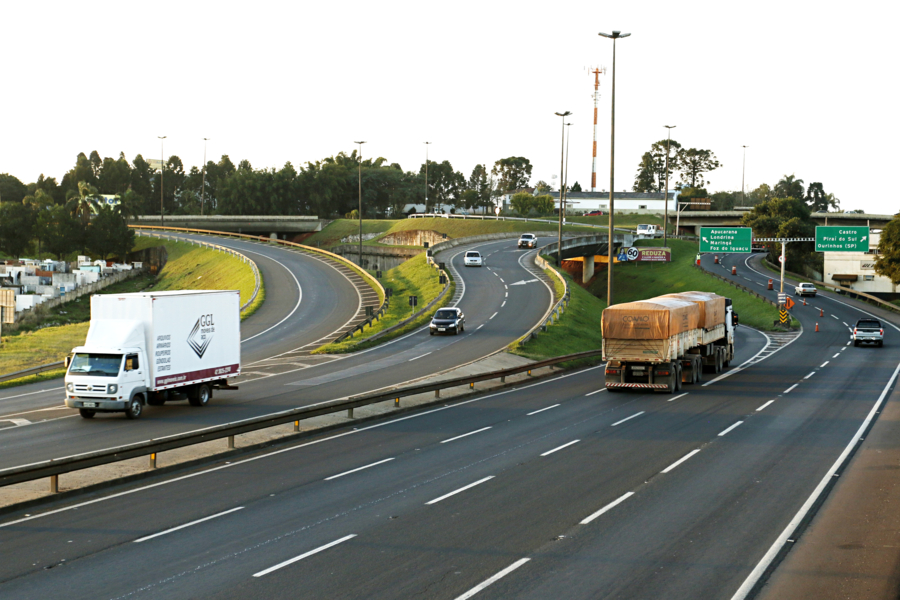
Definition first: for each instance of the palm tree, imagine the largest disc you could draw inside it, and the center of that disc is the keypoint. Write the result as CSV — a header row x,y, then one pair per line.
x,y
85,202
789,187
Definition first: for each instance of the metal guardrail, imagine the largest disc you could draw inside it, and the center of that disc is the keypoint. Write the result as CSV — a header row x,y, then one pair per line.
x,y
374,283
235,253
55,467
556,310
31,371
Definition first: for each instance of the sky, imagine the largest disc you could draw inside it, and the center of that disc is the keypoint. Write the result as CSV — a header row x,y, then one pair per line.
x,y
808,86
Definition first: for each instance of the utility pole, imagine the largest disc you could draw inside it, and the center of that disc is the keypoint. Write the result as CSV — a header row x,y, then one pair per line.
x,y
562,185
203,185
666,191
426,175
566,183
162,169
743,172
360,203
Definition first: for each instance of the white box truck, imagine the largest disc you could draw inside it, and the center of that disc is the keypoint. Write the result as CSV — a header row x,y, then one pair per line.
x,y
144,348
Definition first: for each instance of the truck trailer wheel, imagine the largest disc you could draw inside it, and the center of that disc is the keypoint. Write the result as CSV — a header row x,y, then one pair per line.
x,y
135,408
87,413
200,396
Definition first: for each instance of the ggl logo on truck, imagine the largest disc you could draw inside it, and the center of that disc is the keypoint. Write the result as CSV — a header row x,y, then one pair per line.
x,y
201,334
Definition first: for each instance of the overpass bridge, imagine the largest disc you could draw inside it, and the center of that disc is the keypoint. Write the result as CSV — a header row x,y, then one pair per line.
x,y
693,220
589,249
272,226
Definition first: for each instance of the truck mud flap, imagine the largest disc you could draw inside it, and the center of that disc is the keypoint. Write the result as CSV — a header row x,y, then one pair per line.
x,y
651,386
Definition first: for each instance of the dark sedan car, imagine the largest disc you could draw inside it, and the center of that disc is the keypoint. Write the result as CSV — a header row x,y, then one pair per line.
x,y
448,319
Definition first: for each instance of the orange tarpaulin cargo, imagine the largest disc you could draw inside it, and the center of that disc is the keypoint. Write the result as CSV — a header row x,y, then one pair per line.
x,y
653,319
712,306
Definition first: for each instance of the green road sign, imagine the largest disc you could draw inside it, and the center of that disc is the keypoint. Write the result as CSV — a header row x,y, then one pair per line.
x,y
842,239
725,239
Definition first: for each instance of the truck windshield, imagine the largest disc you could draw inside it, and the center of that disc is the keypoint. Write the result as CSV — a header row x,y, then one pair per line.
x,y
95,365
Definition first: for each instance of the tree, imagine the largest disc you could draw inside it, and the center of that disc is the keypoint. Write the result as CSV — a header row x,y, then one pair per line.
x,y
689,194
444,184
543,187
142,176
522,203
760,194
645,180
512,173
64,233
11,189
575,188
109,234
887,262
784,217
114,176
722,201
40,203
789,187
694,164
544,204
16,227
84,202
818,200
478,181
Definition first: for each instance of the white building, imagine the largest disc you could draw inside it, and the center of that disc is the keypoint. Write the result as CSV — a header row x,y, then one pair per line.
x,y
644,203
856,270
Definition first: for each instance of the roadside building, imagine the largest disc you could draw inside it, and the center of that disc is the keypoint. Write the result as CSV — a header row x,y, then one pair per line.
x,y
642,203
856,270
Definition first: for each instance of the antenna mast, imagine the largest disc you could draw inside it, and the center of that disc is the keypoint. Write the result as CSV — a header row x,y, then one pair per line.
x,y
596,73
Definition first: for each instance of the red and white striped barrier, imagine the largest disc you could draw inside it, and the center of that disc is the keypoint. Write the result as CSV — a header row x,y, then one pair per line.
x,y
654,386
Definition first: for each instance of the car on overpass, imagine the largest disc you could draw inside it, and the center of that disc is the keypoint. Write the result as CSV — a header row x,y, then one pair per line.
x,y
805,289
473,259
527,240
446,320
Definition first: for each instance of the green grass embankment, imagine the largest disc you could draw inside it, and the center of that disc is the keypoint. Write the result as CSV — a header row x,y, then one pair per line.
x,y
629,221
412,278
334,232
188,267
458,228
639,281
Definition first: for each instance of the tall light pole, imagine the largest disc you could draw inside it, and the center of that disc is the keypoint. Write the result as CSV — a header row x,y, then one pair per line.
x,y
162,169
743,172
426,175
360,202
612,169
562,185
203,185
566,183
666,191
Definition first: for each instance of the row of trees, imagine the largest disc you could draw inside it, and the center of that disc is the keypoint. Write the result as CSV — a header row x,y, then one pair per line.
x,y
692,165
326,188
788,186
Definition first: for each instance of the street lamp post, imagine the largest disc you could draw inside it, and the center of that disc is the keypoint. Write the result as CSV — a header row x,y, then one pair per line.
x,y
203,185
360,202
612,169
426,175
562,185
162,169
666,191
566,182
743,172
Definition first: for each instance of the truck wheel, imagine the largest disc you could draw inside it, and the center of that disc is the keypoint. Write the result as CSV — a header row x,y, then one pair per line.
x,y
698,371
678,375
135,408
856,343
201,396
87,413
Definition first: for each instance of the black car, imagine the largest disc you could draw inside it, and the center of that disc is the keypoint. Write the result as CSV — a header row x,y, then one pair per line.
x,y
446,320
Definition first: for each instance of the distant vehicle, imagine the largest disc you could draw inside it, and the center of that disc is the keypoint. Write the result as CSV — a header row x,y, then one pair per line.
x,y
594,213
805,289
527,240
868,330
758,249
651,230
448,319
472,259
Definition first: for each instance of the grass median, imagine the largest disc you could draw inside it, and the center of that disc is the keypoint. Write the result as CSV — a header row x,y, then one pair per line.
x,y
415,277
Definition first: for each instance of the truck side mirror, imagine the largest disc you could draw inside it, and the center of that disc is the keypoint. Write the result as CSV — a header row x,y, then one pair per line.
x,y
734,319
68,361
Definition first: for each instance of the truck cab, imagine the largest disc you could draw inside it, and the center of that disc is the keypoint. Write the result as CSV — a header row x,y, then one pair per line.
x,y
107,380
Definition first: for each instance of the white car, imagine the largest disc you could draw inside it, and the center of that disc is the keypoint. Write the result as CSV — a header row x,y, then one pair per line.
x,y
805,289
473,259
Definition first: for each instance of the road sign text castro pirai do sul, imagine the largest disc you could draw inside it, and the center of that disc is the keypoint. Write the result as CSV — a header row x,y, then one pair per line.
x,y
842,239
725,239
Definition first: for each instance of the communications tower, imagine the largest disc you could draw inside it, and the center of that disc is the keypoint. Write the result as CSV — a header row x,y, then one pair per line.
x,y
596,73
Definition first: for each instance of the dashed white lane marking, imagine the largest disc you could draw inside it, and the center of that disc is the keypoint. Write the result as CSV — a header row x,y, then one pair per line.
x,y
825,363
680,460
501,280
835,317
817,308
304,555
506,287
17,422
506,294
845,323
494,578
503,304
549,452
790,388
608,507
462,489
678,396
836,355
730,428
810,375
848,343
764,405
420,356
374,464
479,327
542,410
492,316
495,273
627,419
595,392
758,283
748,279
155,535
466,434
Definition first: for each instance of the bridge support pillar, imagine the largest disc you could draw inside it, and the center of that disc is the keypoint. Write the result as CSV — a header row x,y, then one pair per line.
x,y
588,270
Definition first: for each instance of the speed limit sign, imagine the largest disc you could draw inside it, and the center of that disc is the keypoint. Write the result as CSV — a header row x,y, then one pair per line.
x,y
632,253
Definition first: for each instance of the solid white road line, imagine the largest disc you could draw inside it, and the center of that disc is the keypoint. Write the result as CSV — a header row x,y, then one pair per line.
x,y
730,428
304,555
790,388
764,405
32,393
549,452
782,539
420,356
155,535
462,489
466,434
496,577
627,419
609,506
680,460
678,396
492,316
595,392
380,462
810,375
299,297
541,410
